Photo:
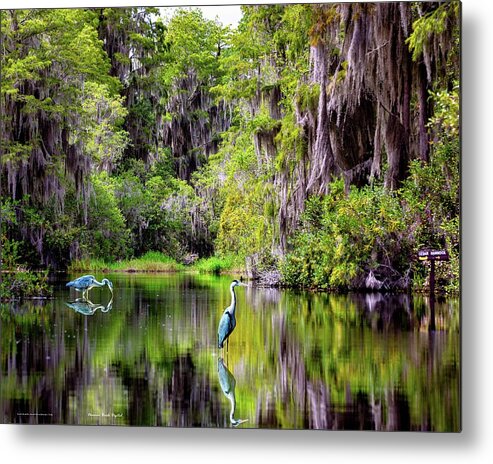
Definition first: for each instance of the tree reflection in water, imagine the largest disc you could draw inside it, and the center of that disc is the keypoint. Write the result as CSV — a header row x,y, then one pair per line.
x,y
300,360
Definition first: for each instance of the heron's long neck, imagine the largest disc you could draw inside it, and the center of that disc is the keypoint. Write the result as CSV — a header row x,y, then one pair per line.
x,y
233,300
99,284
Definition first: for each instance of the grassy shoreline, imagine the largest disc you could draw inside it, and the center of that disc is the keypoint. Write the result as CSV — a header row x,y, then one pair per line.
x,y
158,262
149,262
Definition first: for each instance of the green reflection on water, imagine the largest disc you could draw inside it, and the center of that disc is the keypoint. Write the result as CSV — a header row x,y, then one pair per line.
x,y
299,360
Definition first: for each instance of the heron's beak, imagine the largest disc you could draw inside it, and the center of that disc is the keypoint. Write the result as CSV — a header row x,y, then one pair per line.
x,y
243,285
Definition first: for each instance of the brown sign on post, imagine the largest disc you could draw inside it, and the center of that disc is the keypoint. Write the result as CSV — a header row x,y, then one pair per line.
x,y
433,255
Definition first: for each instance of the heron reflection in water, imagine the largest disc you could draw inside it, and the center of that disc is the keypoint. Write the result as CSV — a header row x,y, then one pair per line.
x,y
87,307
228,320
85,283
228,384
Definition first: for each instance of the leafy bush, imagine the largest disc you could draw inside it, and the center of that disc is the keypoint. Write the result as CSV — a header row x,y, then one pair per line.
x,y
152,261
430,195
24,284
216,264
15,280
106,235
342,238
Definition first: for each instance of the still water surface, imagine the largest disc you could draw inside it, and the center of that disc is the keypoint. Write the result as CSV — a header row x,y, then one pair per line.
x,y
295,360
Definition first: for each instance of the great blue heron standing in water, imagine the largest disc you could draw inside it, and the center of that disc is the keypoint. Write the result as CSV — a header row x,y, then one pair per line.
x,y
85,283
228,384
228,320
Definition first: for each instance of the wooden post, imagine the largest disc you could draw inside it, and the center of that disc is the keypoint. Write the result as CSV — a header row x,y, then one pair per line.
x,y
431,325
428,254
432,277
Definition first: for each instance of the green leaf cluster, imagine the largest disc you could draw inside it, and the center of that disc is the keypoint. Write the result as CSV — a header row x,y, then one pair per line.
x,y
342,237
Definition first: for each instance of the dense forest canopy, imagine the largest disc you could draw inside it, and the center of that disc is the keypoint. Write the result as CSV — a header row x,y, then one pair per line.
x,y
317,140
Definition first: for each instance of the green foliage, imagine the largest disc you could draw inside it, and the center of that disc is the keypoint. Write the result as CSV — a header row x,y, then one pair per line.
x,y
68,117
262,122
433,23
445,120
242,227
159,209
16,281
268,53
238,188
342,238
151,261
307,96
103,116
68,55
89,264
108,187
170,202
291,145
24,284
193,42
431,194
218,265
106,235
